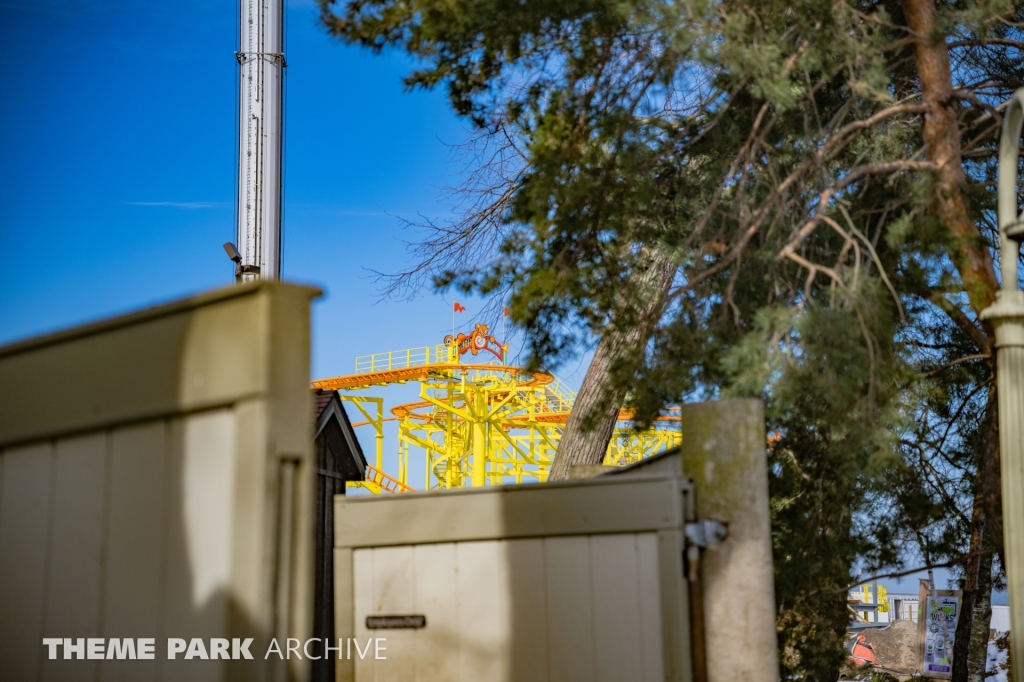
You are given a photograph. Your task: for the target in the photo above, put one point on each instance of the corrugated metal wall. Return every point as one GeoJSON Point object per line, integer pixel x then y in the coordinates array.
{"type": "Point", "coordinates": [167, 515]}
{"type": "Point", "coordinates": [565, 609]}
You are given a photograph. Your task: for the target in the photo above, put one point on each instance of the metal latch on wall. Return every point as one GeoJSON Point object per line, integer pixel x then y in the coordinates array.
{"type": "Point", "coordinates": [705, 533]}
{"type": "Point", "coordinates": [699, 536]}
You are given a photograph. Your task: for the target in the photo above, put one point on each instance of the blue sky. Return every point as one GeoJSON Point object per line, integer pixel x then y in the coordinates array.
{"type": "Point", "coordinates": [118, 174]}
{"type": "Point", "coordinates": [117, 140]}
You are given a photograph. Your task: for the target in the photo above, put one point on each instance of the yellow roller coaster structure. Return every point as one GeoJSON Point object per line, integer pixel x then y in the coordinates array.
{"type": "Point", "coordinates": [477, 422]}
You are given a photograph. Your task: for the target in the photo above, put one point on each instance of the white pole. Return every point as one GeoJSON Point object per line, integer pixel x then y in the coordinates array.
{"type": "Point", "coordinates": [261, 61]}
{"type": "Point", "coordinates": [1007, 317]}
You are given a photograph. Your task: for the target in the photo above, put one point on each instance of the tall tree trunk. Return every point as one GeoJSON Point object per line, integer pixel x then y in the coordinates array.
{"type": "Point", "coordinates": [977, 272]}
{"type": "Point", "coordinates": [942, 146]}
{"type": "Point", "coordinates": [596, 409]}
{"type": "Point", "coordinates": [970, 652]}
{"type": "Point", "coordinates": [966, 248]}
{"type": "Point", "coordinates": [977, 655]}
{"type": "Point", "coordinates": [990, 480]}
{"type": "Point", "coordinates": [972, 583]}
{"type": "Point", "coordinates": [987, 498]}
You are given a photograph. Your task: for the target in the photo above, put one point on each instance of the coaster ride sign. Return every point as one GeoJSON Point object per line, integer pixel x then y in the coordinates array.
{"type": "Point", "coordinates": [937, 630]}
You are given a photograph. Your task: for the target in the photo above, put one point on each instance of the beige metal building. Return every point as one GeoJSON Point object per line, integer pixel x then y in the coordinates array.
{"type": "Point", "coordinates": [612, 579]}
{"type": "Point", "coordinates": [155, 481]}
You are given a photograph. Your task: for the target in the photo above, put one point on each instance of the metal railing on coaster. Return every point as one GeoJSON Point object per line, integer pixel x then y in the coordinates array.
{"type": "Point", "coordinates": [401, 359]}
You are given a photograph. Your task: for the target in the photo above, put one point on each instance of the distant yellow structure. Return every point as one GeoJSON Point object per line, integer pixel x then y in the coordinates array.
{"type": "Point", "coordinates": [478, 421]}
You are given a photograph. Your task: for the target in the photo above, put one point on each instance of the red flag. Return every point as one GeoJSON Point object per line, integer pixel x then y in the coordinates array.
{"type": "Point", "coordinates": [506, 312]}
{"type": "Point", "coordinates": [459, 308]}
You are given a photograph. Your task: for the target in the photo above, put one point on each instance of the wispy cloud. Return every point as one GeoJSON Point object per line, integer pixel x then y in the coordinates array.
{"type": "Point", "coordinates": [180, 204]}
{"type": "Point", "coordinates": [334, 209]}
{"type": "Point", "coordinates": [364, 214]}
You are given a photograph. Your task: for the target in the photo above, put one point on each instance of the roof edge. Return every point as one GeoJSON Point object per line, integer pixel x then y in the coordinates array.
{"type": "Point", "coordinates": [145, 314]}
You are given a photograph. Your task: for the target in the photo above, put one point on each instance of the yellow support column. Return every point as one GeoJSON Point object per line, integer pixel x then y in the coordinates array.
{"type": "Point", "coordinates": [479, 439]}
{"type": "Point", "coordinates": [449, 438]}
{"type": "Point", "coordinates": [379, 425]}
{"type": "Point", "coordinates": [377, 422]}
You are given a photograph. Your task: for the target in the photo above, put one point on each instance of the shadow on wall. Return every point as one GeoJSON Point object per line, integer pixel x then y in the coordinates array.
{"type": "Point", "coordinates": [156, 482]}
{"type": "Point", "coordinates": [560, 608]}
{"type": "Point", "coordinates": [123, 533]}
{"type": "Point", "coordinates": [578, 581]}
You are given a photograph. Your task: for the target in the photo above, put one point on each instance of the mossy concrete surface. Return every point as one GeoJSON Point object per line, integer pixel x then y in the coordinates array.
{"type": "Point", "coordinates": [725, 454]}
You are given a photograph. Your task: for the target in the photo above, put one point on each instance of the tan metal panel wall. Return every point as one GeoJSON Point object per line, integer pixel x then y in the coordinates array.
{"type": "Point", "coordinates": [519, 583]}
{"type": "Point", "coordinates": [526, 567]}
{"type": "Point", "coordinates": [76, 550]}
{"type": "Point", "coordinates": [24, 525]}
{"type": "Point", "coordinates": [484, 599]}
{"type": "Point", "coordinates": [627, 615]}
{"type": "Point", "coordinates": [134, 533]}
{"type": "Point", "coordinates": [113, 508]}
{"type": "Point", "coordinates": [154, 509]}
{"type": "Point", "coordinates": [560, 609]}
{"type": "Point", "coordinates": [567, 582]}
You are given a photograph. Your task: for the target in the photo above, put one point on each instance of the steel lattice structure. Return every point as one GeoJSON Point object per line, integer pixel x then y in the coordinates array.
{"type": "Point", "coordinates": [477, 423]}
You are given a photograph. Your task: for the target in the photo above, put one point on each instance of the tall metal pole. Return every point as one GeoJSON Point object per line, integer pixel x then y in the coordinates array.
{"type": "Point", "coordinates": [262, 63]}
{"type": "Point", "coordinates": [1007, 317]}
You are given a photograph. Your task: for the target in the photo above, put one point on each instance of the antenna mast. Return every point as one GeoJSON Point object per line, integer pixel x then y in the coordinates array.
{"type": "Point", "coordinates": [261, 62]}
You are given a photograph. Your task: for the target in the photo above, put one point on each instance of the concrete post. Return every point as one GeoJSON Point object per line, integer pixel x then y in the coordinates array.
{"type": "Point", "coordinates": [724, 453]}
{"type": "Point", "coordinates": [1007, 317]}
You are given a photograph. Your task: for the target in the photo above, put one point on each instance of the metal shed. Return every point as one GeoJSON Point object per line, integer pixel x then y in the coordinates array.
{"type": "Point", "coordinates": [156, 481]}
{"type": "Point", "coordinates": [617, 578]}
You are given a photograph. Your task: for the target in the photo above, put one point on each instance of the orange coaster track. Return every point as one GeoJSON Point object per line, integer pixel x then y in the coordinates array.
{"type": "Point", "coordinates": [420, 373]}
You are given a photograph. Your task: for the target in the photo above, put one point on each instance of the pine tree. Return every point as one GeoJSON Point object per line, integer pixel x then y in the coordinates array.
{"type": "Point", "coordinates": [817, 179]}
